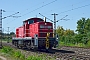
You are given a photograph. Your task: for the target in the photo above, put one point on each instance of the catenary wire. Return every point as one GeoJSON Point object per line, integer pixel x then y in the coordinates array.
{"type": "Point", "coordinates": [37, 8]}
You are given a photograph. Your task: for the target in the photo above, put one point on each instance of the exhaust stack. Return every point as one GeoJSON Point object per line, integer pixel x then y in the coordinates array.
{"type": "Point", "coordinates": [44, 19]}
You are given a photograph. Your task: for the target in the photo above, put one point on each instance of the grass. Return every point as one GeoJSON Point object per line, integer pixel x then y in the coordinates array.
{"type": "Point", "coordinates": [75, 45]}
{"type": "Point", "coordinates": [13, 54]}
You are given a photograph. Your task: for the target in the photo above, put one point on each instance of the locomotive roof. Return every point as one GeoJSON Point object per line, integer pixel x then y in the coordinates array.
{"type": "Point", "coordinates": [33, 19]}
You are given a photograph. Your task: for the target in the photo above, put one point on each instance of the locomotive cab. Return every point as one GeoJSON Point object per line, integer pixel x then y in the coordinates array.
{"type": "Point", "coordinates": [33, 20]}
{"type": "Point", "coordinates": [29, 26]}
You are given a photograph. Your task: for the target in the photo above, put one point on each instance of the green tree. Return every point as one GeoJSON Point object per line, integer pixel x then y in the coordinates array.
{"type": "Point", "coordinates": [12, 33]}
{"type": "Point", "coordinates": [81, 26]}
{"type": "Point", "coordinates": [69, 32]}
{"type": "Point", "coordinates": [65, 35]}
{"type": "Point", "coordinates": [80, 38]}
{"type": "Point", "coordinates": [60, 30]}
{"type": "Point", "coordinates": [87, 25]}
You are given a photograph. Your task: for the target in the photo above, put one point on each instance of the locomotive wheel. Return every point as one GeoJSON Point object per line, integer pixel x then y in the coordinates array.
{"type": "Point", "coordinates": [24, 46]}
{"type": "Point", "coordinates": [20, 47]}
{"type": "Point", "coordinates": [16, 44]}
{"type": "Point", "coordinates": [32, 45]}
{"type": "Point", "coordinates": [28, 45]}
{"type": "Point", "coordinates": [34, 48]}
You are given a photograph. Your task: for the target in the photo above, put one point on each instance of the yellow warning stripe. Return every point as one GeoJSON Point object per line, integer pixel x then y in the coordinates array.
{"type": "Point", "coordinates": [47, 40]}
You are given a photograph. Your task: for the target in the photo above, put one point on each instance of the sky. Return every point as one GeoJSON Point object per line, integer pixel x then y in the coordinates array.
{"type": "Point", "coordinates": [75, 9]}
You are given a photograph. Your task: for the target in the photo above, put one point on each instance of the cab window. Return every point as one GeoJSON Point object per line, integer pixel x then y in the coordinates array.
{"type": "Point", "coordinates": [39, 20]}
{"type": "Point", "coordinates": [30, 21]}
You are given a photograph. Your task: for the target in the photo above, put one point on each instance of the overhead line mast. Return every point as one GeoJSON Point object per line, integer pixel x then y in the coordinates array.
{"type": "Point", "coordinates": [1, 28]}
{"type": "Point", "coordinates": [8, 35]}
{"type": "Point", "coordinates": [1, 24]}
{"type": "Point", "coordinates": [54, 24]}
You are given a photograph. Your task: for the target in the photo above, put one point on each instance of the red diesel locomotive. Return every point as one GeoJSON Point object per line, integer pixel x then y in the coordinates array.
{"type": "Point", "coordinates": [35, 33]}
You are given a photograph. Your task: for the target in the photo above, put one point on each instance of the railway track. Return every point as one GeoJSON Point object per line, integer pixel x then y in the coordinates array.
{"type": "Point", "coordinates": [64, 53]}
